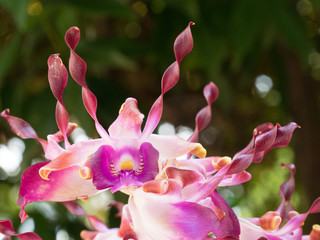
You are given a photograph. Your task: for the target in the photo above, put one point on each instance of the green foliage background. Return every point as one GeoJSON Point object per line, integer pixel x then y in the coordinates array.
{"type": "Point", "coordinates": [128, 45]}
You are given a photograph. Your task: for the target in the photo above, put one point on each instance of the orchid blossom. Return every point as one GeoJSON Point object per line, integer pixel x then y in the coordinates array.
{"type": "Point", "coordinates": [170, 198]}
{"type": "Point", "coordinates": [122, 158]}
{"type": "Point", "coordinates": [184, 205]}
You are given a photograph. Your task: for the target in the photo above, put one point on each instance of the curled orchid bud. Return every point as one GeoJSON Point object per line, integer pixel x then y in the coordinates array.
{"type": "Point", "coordinates": [219, 163]}
{"type": "Point", "coordinates": [270, 221]}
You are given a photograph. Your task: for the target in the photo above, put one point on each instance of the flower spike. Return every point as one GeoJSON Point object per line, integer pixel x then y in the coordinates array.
{"type": "Point", "coordinates": [78, 68]}
{"type": "Point", "coordinates": [182, 46]}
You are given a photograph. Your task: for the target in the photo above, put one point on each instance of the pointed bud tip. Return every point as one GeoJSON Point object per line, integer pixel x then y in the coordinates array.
{"type": "Point", "coordinates": [5, 112]}
{"type": "Point", "coordinates": [54, 57]}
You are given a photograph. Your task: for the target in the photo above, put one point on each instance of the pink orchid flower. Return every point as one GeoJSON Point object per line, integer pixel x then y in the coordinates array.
{"type": "Point", "coordinates": [123, 157]}
{"type": "Point", "coordinates": [183, 205]}
{"type": "Point", "coordinates": [271, 225]}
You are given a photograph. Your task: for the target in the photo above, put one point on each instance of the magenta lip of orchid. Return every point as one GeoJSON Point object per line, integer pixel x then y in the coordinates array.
{"type": "Point", "coordinates": [169, 198]}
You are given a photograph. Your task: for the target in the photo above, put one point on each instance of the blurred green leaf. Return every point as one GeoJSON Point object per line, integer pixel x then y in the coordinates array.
{"type": "Point", "coordinates": [112, 8]}
{"type": "Point", "coordinates": [19, 11]}
{"type": "Point", "coordinates": [8, 55]}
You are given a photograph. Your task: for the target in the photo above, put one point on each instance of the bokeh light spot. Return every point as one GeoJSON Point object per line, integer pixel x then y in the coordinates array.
{"type": "Point", "coordinates": [263, 84]}
{"type": "Point", "coordinates": [11, 156]}
{"type": "Point", "coordinates": [35, 8]}
{"type": "Point", "coordinates": [157, 6]}
{"type": "Point", "coordinates": [140, 8]}
{"type": "Point", "coordinates": [27, 226]}
{"type": "Point", "coordinates": [133, 30]}
{"type": "Point", "coordinates": [304, 7]}
{"type": "Point", "coordinates": [166, 129]}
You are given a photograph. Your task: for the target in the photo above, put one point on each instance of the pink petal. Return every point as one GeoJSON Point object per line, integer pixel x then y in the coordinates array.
{"type": "Point", "coordinates": [76, 155]}
{"type": "Point", "coordinates": [22, 128]}
{"type": "Point", "coordinates": [64, 185]}
{"type": "Point", "coordinates": [182, 46]}
{"type": "Point", "coordinates": [185, 177]}
{"type": "Point", "coordinates": [6, 228]}
{"type": "Point", "coordinates": [229, 225]}
{"type": "Point", "coordinates": [128, 123]}
{"type": "Point", "coordinates": [203, 117]}
{"type": "Point", "coordinates": [205, 188]}
{"type": "Point", "coordinates": [157, 216]}
{"type": "Point", "coordinates": [265, 137]}
{"type": "Point", "coordinates": [78, 68]}
{"type": "Point", "coordinates": [170, 147]}
{"type": "Point", "coordinates": [236, 179]}
{"type": "Point", "coordinates": [106, 174]}
{"type": "Point", "coordinates": [286, 191]}
{"type": "Point", "coordinates": [58, 78]}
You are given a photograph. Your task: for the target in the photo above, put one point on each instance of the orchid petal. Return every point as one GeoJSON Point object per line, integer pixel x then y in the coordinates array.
{"type": "Point", "coordinates": [171, 147]}
{"type": "Point", "coordinates": [265, 137]}
{"type": "Point", "coordinates": [286, 191]}
{"type": "Point", "coordinates": [6, 228]}
{"type": "Point", "coordinates": [204, 189]}
{"type": "Point", "coordinates": [22, 128]}
{"type": "Point", "coordinates": [34, 188]}
{"type": "Point", "coordinates": [229, 225]}
{"type": "Point", "coordinates": [76, 155]}
{"type": "Point", "coordinates": [235, 179]}
{"type": "Point", "coordinates": [203, 117]}
{"type": "Point", "coordinates": [78, 68]}
{"type": "Point", "coordinates": [157, 216]}
{"type": "Point", "coordinates": [105, 173]}
{"type": "Point", "coordinates": [102, 167]}
{"type": "Point", "coordinates": [53, 149]}
{"type": "Point", "coordinates": [182, 46]}
{"type": "Point", "coordinates": [126, 226]}
{"type": "Point", "coordinates": [150, 168]}
{"type": "Point", "coordinates": [111, 234]}
{"type": "Point", "coordinates": [58, 78]}
{"type": "Point", "coordinates": [128, 122]}
{"type": "Point", "coordinates": [185, 177]}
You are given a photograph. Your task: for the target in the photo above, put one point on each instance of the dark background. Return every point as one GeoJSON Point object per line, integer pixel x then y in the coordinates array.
{"type": "Point", "coordinates": [129, 44]}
